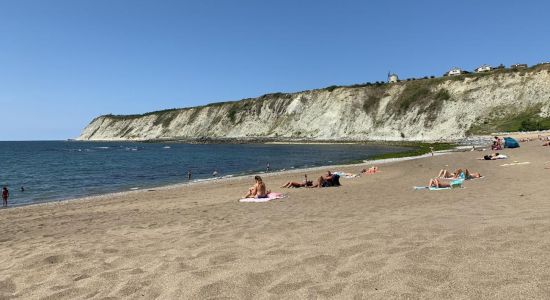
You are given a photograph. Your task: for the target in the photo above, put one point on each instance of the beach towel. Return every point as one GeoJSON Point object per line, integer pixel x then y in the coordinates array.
{"type": "Point", "coordinates": [346, 175]}
{"type": "Point", "coordinates": [515, 164]}
{"type": "Point", "coordinates": [500, 156]}
{"type": "Point", "coordinates": [433, 188]}
{"type": "Point", "coordinates": [457, 183]}
{"type": "Point", "coordinates": [270, 196]}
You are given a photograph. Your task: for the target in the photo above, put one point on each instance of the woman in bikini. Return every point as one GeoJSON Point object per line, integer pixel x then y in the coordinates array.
{"type": "Point", "coordinates": [457, 174]}
{"type": "Point", "coordinates": [370, 170]}
{"type": "Point", "coordinates": [437, 183]}
{"type": "Point", "coordinates": [258, 190]}
{"type": "Point", "coordinates": [448, 175]}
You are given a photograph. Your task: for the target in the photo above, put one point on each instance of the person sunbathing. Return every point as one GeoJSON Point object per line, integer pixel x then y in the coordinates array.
{"type": "Point", "coordinates": [294, 184]}
{"type": "Point", "coordinates": [437, 183]}
{"type": "Point", "coordinates": [448, 175]}
{"type": "Point", "coordinates": [546, 144]}
{"type": "Point", "coordinates": [258, 190]}
{"type": "Point", "coordinates": [494, 156]}
{"type": "Point", "coordinates": [471, 175]}
{"type": "Point", "coordinates": [328, 180]}
{"type": "Point", "coordinates": [370, 170]}
{"type": "Point", "coordinates": [458, 173]}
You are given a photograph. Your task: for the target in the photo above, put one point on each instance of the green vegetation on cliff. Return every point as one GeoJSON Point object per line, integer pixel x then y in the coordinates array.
{"type": "Point", "coordinates": [510, 121]}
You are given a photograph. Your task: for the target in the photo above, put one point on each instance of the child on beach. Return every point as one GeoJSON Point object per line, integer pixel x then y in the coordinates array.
{"type": "Point", "coordinates": [258, 190]}
{"type": "Point", "coordinates": [5, 196]}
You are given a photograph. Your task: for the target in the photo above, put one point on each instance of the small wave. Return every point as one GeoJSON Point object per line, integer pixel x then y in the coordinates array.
{"type": "Point", "coordinates": [166, 147]}
{"type": "Point", "coordinates": [102, 147]}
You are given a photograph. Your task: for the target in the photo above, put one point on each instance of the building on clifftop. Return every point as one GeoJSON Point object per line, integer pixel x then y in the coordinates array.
{"type": "Point", "coordinates": [483, 68]}
{"type": "Point", "coordinates": [392, 78]}
{"type": "Point", "coordinates": [518, 66]}
{"type": "Point", "coordinates": [455, 71]}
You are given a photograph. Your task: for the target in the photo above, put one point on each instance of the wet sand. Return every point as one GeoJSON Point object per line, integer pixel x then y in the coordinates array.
{"type": "Point", "coordinates": [373, 238]}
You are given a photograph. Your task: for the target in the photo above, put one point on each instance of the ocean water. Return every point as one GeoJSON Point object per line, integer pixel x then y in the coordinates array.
{"type": "Point", "coordinates": [57, 170]}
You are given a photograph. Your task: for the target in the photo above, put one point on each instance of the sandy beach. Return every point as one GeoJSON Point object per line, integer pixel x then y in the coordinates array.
{"type": "Point", "coordinates": [372, 238]}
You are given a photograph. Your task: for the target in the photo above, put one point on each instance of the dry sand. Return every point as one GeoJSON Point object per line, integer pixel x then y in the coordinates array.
{"type": "Point", "coordinates": [373, 238]}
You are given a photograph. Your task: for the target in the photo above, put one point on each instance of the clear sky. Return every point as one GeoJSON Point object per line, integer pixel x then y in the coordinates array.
{"type": "Point", "coordinates": [64, 62]}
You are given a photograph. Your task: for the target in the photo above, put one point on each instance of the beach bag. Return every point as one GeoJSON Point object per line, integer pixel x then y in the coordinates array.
{"type": "Point", "coordinates": [336, 180]}
{"type": "Point", "coordinates": [510, 143]}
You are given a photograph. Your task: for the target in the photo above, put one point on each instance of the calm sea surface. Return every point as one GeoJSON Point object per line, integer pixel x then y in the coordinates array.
{"type": "Point", "coordinates": [57, 170]}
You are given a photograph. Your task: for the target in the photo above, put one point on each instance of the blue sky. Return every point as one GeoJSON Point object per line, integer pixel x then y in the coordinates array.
{"type": "Point", "coordinates": [62, 63]}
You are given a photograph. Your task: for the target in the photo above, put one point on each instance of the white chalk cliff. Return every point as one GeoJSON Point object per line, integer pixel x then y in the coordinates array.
{"type": "Point", "coordinates": [448, 108]}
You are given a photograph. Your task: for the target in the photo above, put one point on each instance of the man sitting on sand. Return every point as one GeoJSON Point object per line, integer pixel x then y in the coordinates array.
{"type": "Point", "coordinates": [328, 180]}
{"type": "Point", "coordinates": [258, 190]}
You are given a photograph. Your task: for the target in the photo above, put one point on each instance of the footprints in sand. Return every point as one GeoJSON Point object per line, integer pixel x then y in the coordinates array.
{"type": "Point", "coordinates": [7, 287]}
{"type": "Point", "coordinates": [285, 287]}
{"type": "Point", "coordinates": [81, 277]}
{"type": "Point", "coordinates": [53, 259]}
{"type": "Point", "coordinates": [222, 259]}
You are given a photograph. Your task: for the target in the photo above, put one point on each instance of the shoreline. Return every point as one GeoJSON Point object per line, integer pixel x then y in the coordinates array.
{"type": "Point", "coordinates": [225, 179]}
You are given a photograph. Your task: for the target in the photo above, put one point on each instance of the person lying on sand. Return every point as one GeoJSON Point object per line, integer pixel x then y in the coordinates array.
{"type": "Point", "coordinates": [370, 170]}
{"type": "Point", "coordinates": [327, 180]}
{"type": "Point", "coordinates": [437, 183]}
{"type": "Point", "coordinates": [448, 175]}
{"type": "Point", "coordinates": [258, 190]}
{"type": "Point", "coordinates": [494, 156]}
{"type": "Point", "coordinates": [458, 174]}
{"type": "Point", "coordinates": [471, 175]}
{"type": "Point", "coordinates": [293, 184]}
{"type": "Point", "coordinates": [546, 144]}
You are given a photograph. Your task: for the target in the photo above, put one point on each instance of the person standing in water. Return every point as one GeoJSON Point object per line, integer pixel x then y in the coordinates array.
{"type": "Point", "coordinates": [189, 175]}
{"type": "Point", "coordinates": [5, 196]}
{"type": "Point", "coordinates": [267, 167]}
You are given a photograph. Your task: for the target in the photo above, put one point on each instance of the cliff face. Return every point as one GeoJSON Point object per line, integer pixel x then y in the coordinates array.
{"type": "Point", "coordinates": [448, 108]}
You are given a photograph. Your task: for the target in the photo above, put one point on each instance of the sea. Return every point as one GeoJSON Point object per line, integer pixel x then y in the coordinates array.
{"type": "Point", "coordinates": [46, 171]}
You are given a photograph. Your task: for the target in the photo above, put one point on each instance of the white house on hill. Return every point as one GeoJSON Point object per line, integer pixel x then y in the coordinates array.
{"type": "Point", "coordinates": [455, 71]}
{"type": "Point", "coordinates": [483, 68]}
{"type": "Point", "coordinates": [392, 78]}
